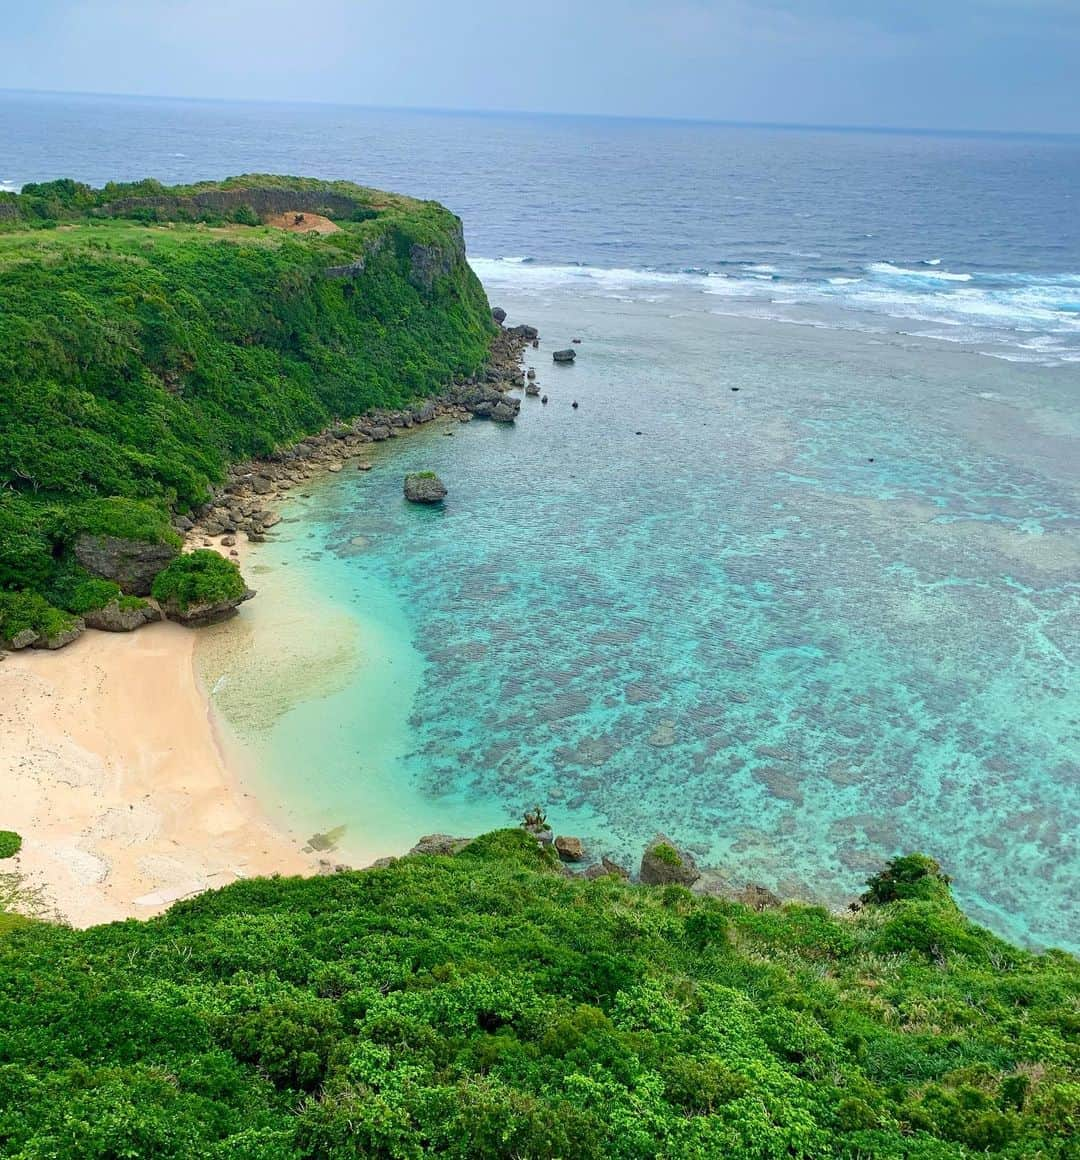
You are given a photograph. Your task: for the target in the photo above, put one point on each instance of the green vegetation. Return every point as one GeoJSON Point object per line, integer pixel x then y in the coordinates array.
{"type": "Point", "coordinates": [201, 577]}
{"type": "Point", "coordinates": [484, 1005]}
{"type": "Point", "coordinates": [151, 335]}
{"type": "Point", "coordinates": [667, 854]}
{"type": "Point", "coordinates": [10, 843]}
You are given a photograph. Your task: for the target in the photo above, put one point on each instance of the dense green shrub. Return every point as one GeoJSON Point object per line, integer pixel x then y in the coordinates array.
{"type": "Point", "coordinates": [912, 876]}
{"type": "Point", "coordinates": [200, 577]}
{"type": "Point", "coordinates": [485, 1005]}
{"type": "Point", "coordinates": [20, 611]}
{"type": "Point", "coordinates": [10, 843]}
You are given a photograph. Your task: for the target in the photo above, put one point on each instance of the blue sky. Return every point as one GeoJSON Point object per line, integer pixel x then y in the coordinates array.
{"type": "Point", "coordinates": [978, 64]}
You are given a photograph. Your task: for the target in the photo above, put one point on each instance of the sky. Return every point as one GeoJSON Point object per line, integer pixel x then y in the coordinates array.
{"type": "Point", "coordinates": [1008, 65]}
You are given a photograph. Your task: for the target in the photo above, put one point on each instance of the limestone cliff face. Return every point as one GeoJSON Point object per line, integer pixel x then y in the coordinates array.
{"type": "Point", "coordinates": [428, 262]}
{"type": "Point", "coordinates": [225, 201]}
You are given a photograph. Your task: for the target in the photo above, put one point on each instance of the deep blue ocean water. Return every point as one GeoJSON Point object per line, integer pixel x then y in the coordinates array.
{"type": "Point", "coordinates": [801, 626]}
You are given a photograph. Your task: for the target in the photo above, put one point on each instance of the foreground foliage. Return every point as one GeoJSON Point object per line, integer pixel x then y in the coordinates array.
{"type": "Point", "coordinates": [485, 1006]}
{"type": "Point", "coordinates": [146, 342]}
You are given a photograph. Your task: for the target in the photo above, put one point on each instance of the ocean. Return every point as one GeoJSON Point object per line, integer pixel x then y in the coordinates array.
{"type": "Point", "coordinates": [797, 583]}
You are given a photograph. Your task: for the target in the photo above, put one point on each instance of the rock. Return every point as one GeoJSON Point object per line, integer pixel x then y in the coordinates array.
{"type": "Point", "coordinates": [228, 541]}
{"type": "Point", "coordinates": [569, 849]}
{"type": "Point", "coordinates": [334, 467]}
{"type": "Point", "coordinates": [498, 314]}
{"type": "Point", "coordinates": [757, 897]}
{"type": "Point", "coordinates": [364, 466]}
{"type": "Point", "coordinates": [611, 867]}
{"type": "Point", "coordinates": [133, 564]}
{"type": "Point", "coordinates": [576, 340]}
{"type": "Point", "coordinates": [182, 524]}
{"type": "Point", "coordinates": [543, 399]}
{"type": "Point", "coordinates": [61, 638]}
{"type": "Point", "coordinates": [199, 615]}
{"type": "Point", "coordinates": [440, 844]}
{"type": "Point", "coordinates": [23, 639]}
{"type": "Point", "coordinates": [532, 390]}
{"type": "Point", "coordinates": [564, 356]}
{"type": "Point", "coordinates": [424, 487]}
{"type": "Point", "coordinates": [574, 404]}
{"type": "Point", "coordinates": [262, 484]}
{"type": "Point", "coordinates": [115, 618]}
{"type": "Point", "coordinates": [506, 410]}
{"type": "Point", "coordinates": [531, 373]}
{"type": "Point", "coordinates": [664, 864]}
{"type": "Point", "coordinates": [528, 333]}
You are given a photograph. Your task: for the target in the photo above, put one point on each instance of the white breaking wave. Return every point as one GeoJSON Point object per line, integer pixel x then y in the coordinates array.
{"type": "Point", "coordinates": [1036, 316]}
{"type": "Point", "coordinates": [903, 272]}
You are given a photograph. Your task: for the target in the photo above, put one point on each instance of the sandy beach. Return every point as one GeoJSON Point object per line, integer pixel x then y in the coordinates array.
{"type": "Point", "coordinates": [112, 774]}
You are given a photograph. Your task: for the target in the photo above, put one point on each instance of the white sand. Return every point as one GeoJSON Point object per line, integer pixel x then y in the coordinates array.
{"type": "Point", "coordinates": [111, 772]}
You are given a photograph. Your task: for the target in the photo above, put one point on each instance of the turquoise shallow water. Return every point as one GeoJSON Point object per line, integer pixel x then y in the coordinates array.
{"type": "Point", "coordinates": [800, 627]}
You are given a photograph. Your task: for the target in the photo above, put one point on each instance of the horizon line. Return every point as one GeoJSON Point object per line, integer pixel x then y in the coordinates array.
{"type": "Point", "coordinates": [821, 127]}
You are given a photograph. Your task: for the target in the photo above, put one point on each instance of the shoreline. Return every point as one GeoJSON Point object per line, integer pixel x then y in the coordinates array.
{"type": "Point", "coordinates": [124, 782]}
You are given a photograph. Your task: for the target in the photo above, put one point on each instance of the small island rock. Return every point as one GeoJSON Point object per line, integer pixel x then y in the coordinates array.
{"type": "Point", "coordinates": [424, 487]}
{"type": "Point", "coordinates": [564, 356]}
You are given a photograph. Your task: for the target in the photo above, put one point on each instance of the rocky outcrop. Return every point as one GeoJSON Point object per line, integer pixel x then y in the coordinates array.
{"type": "Point", "coordinates": [22, 639]}
{"type": "Point", "coordinates": [757, 897]}
{"type": "Point", "coordinates": [564, 356]}
{"type": "Point", "coordinates": [524, 332]}
{"type": "Point", "coordinates": [569, 849]}
{"type": "Point", "coordinates": [61, 637]}
{"type": "Point", "coordinates": [117, 617]}
{"type": "Point", "coordinates": [424, 487]}
{"type": "Point", "coordinates": [498, 314]}
{"type": "Point", "coordinates": [200, 615]}
{"type": "Point", "coordinates": [132, 564]}
{"type": "Point", "coordinates": [505, 410]}
{"type": "Point", "coordinates": [440, 844]}
{"type": "Point", "coordinates": [664, 864]}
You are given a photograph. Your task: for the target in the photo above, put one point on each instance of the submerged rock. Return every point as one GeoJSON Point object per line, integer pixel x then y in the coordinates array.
{"type": "Point", "coordinates": [564, 356]}
{"type": "Point", "coordinates": [664, 864]}
{"type": "Point", "coordinates": [424, 487]}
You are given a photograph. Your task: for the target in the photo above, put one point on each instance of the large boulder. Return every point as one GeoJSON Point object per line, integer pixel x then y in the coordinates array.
{"type": "Point", "coordinates": [440, 844]}
{"type": "Point", "coordinates": [564, 356]}
{"type": "Point", "coordinates": [121, 617]}
{"type": "Point", "coordinates": [664, 864]}
{"type": "Point", "coordinates": [22, 639]}
{"type": "Point", "coordinates": [498, 314]}
{"type": "Point", "coordinates": [528, 333]}
{"type": "Point", "coordinates": [424, 487]}
{"type": "Point", "coordinates": [569, 849]}
{"type": "Point", "coordinates": [197, 615]}
{"type": "Point", "coordinates": [133, 564]}
{"type": "Point", "coordinates": [505, 410]}
{"type": "Point", "coordinates": [62, 636]}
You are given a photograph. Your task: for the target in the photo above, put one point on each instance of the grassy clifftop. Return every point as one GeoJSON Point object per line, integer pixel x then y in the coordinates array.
{"type": "Point", "coordinates": [484, 1005]}
{"type": "Point", "coordinates": [151, 335]}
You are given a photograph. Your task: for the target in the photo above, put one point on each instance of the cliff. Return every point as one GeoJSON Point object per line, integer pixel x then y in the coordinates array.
{"type": "Point", "coordinates": [151, 336]}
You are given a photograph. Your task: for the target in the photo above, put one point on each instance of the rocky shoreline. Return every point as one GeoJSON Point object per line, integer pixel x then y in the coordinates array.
{"type": "Point", "coordinates": [245, 502]}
